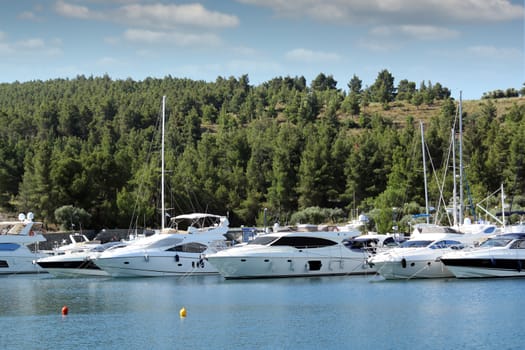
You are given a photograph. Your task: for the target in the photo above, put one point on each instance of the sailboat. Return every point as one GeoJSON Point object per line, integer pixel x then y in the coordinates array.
{"type": "Point", "coordinates": [175, 249]}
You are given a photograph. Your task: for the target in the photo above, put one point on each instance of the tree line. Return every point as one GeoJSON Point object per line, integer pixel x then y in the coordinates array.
{"type": "Point", "coordinates": [278, 148]}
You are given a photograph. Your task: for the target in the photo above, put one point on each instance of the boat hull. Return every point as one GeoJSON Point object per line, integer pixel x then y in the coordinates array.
{"type": "Point", "coordinates": [412, 269]}
{"type": "Point", "coordinates": [486, 267]}
{"type": "Point", "coordinates": [237, 267]}
{"type": "Point", "coordinates": [147, 265]}
{"type": "Point", "coordinates": [71, 268]}
{"type": "Point", "coordinates": [19, 264]}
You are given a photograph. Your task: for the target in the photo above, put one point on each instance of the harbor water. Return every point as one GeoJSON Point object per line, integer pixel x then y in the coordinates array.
{"type": "Point", "coordinates": [298, 313]}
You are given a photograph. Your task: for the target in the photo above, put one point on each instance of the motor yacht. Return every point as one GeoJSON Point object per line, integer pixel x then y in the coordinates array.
{"type": "Point", "coordinates": [298, 254]}
{"type": "Point", "coordinates": [16, 237]}
{"type": "Point", "coordinates": [177, 250]}
{"type": "Point", "coordinates": [499, 256]}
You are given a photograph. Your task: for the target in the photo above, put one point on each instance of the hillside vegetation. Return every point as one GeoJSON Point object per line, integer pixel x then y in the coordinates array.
{"type": "Point", "coordinates": [92, 144]}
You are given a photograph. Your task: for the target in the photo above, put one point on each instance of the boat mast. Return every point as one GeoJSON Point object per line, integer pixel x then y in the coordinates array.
{"type": "Point", "coordinates": [502, 207]}
{"type": "Point", "coordinates": [424, 171]}
{"type": "Point", "coordinates": [454, 192]}
{"type": "Point", "coordinates": [163, 214]}
{"type": "Point", "coordinates": [460, 159]}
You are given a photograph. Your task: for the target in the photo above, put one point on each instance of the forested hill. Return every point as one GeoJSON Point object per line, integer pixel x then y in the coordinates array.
{"type": "Point", "coordinates": [234, 148]}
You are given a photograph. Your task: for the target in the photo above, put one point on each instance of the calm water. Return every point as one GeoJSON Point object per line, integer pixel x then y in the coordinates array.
{"type": "Point", "coordinates": [303, 313]}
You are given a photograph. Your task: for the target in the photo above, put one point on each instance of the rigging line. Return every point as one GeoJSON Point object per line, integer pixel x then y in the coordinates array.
{"type": "Point", "coordinates": [434, 172]}
{"type": "Point", "coordinates": [406, 194]}
{"type": "Point", "coordinates": [418, 271]}
{"type": "Point", "coordinates": [514, 187]}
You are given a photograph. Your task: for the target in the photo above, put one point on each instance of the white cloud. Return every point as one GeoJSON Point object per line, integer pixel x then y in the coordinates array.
{"type": "Point", "coordinates": [493, 52]}
{"type": "Point", "coordinates": [245, 51]}
{"type": "Point", "coordinates": [31, 44]}
{"type": "Point", "coordinates": [380, 45]}
{"type": "Point", "coordinates": [396, 11]}
{"type": "Point", "coordinates": [75, 11]}
{"type": "Point", "coordinates": [29, 47]}
{"type": "Point", "coordinates": [176, 38]}
{"type": "Point", "coordinates": [107, 61]}
{"type": "Point", "coordinates": [5, 49]}
{"type": "Point", "coordinates": [168, 16]}
{"type": "Point", "coordinates": [309, 56]}
{"type": "Point", "coordinates": [28, 15]}
{"type": "Point", "coordinates": [420, 32]}
{"type": "Point", "coordinates": [153, 15]}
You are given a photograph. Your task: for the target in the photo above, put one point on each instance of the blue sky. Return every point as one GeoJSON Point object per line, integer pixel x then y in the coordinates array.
{"type": "Point", "coordinates": [471, 45]}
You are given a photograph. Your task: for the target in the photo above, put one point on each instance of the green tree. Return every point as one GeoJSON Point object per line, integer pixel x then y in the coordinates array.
{"type": "Point", "coordinates": [383, 89]}
{"type": "Point", "coordinates": [71, 218]}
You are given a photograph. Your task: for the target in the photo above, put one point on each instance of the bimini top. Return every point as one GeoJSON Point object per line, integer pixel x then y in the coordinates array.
{"type": "Point", "coordinates": [194, 216]}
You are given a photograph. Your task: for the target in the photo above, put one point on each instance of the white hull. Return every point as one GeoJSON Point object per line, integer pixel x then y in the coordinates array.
{"type": "Point", "coordinates": [502, 256]}
{"type": "Point", "coordinates": [69, 272]}
{"type": "Point", "coordinates": [156, 265]}
{"type": "Point", "coordinates": [418, 258]}
{"type": "Point", "coordinates": [15, 236]}
{"type": "Point", "coordinates": [391, 270]}
{"type": "Point", "coordinates": [290, 266]}
{"type": "Point", "coordinates": [20, 264]}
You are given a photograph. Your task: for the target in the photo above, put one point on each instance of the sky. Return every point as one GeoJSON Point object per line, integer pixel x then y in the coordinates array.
{"type": "Point", "coordinates": [473, 46]}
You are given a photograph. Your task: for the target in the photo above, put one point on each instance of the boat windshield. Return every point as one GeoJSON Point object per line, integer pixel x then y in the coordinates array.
{"type": "Point", "coordinates": [263, 240]}
{"type": "Point", "coordinates": [446, 244]}
{"type": "Point", "coordinates": [496, 242]}
{"type": "Point", "coordinates": [415, 244]}
{"type": "Point", "coordinates": [361, 244]}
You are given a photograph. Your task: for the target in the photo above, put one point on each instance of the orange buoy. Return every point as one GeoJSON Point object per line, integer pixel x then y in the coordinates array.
{"type": "Point", "coordinates": [65, 310]}
{"type": "Point", "coordinates": [182, 312]}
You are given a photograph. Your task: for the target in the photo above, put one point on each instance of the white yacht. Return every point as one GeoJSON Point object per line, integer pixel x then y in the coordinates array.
{"type": "Point", "coordinates": [15, 237]}
{"type": "Point", "coordinates": [499, 256]}
{"type": "Point", "coordinates": [419, 257]}
{"type": "Point", "coordinates": [170, 252]}
{"type": "Point", "coordinates": [298, 254]}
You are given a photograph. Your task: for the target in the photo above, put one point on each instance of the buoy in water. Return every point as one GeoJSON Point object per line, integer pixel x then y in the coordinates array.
{"type": "Point", "coordinates": [65, 310]}
{"type": "Point", "coordinates": [182, 312]}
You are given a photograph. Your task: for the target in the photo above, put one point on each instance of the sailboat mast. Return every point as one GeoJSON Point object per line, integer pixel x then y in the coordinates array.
{"type": "Point", "coordinates": [503, 207]}
{"type": "Point", "coordinates": [460, 159]}
{"type": "Point", "coordinates": [424, 171]}
{"type": "Point", "coordinates": [163, 209]}
{"type": "Point", "coordinates": [454, 192]}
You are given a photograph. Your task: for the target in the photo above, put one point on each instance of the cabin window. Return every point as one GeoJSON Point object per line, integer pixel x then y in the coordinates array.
{"type": "Point", "coordinates": [262, 240]}
{"type": "Point", "coordinates": [519, 244]}
{"type": "Point", "coordinates": [3, 264]}
{"type": "Point", "coordinates": [445, 244]}
{"type": "Point", "coordinates": [9, 247]}
{"type": "Point", "coordinates": [192, 247]}
{"type": "Point", "coordinates": [314, 265]}
{"type": "Point", "coordinates": [389, 242]}
{"type": "Point", "coordinates": [414, 244]}
{"type": "Point", "coordinates": [300, 242]}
